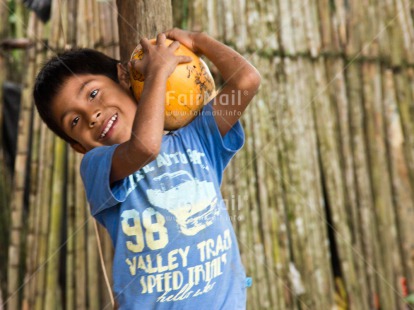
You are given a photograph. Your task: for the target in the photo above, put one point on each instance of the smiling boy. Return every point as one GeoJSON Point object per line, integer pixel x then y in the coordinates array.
{"type": "Point", "coordinates": [157, 194]}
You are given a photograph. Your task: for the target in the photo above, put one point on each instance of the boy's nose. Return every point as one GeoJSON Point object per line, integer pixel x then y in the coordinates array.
{"type": "Point", "coordinates": [94, 119]}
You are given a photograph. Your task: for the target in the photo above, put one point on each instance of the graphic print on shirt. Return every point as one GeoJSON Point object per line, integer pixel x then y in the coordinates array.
{"type": "Point", "coordinates": [176, 199]}
{"type": "Point", "coordinates": [192, 202]}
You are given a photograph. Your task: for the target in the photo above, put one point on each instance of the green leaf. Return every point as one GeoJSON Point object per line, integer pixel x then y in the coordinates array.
{"type": "Point", "coordinates": [410, 299]}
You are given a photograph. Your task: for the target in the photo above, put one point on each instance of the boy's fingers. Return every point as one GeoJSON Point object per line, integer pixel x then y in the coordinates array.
{"type": "Point", "coordinates": [183, 59]}
{"type": "Point", "coordinates": [161, 39]}
{"type": "Point", "coordinates": [174, 45]}
{"type": "Point", "coordinates": [144, 44]}
{"type": "Point", "coordinates": [169, 34]}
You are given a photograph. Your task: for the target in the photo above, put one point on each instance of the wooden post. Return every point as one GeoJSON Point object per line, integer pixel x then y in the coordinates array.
{"type": "Point", "coordinates": [138, 19]}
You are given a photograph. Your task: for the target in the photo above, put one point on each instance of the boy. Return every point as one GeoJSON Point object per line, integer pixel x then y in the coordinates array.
{"type": "Point", "coordinates": [158, 195]}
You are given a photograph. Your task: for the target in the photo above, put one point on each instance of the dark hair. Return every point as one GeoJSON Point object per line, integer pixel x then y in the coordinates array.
{"type": "Point", "coordinates": [58, 69]}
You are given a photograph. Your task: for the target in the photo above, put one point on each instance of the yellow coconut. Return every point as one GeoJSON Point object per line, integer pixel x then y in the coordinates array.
{"type": "Point", "coordinates": [189, 87]}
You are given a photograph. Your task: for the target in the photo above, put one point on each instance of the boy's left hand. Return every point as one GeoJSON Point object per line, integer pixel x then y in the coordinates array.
{"type": "Point", "coordinates": [239, 76]}
{"type": "Point", "coordinates": [187, 38]}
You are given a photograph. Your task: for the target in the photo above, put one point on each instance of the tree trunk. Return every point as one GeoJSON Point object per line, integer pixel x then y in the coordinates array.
{"type": "Point", "coordinates": [4, 173]}
{"type": "Point", "coordinates": [138, 19]}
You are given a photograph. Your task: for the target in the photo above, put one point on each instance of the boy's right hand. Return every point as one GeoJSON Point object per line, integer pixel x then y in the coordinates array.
{"type": "Point", "coordinates": [159, 58]}
{"type": "Point", "coordinates": [144, 144]}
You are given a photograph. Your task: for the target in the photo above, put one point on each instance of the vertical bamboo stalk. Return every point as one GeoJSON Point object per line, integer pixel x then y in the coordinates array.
{"type": "Point", "coordinates": [53, 290]}
{"type": "Point", "coordinates": [72, 7]}
{"type": "Point", "coordinates": [366, 214]}
{"type": "Point", "coordinates": [35, 189]}
{"type": "Point", "coordinates": [326, 27]}
{"type": "Point", "coordinates": [407, 28]}
{"type": "Point", "coordinates": [93, 264]}
{"type": "Point", "coordinates": [404, 101]}
{"type": "Point", "coordinates": [81, 29]}
{"type": "Point", "coordinates": [91, 27]}
{"type": "Point", "coordinates": [355, 24]}
{"type": "Point", "coordinates": [389, 271]}
{"type": "Point", "coordinates": [20, 174]}
{"type": "Point", "coordinates": [263, 226]}
{"type": "Point", "coordinates": [116, 53]}
{"type": "Point", "coordinates": [309, 186]}
{"type": "Point", "coordinates": [4, 171]}
{"type": "Point", "coordinates": [43, 203]}
{"type": "Point", "coordinates": [80, 242]}
{"type": "Point", "coordinates": [253, 255]}
{"type": "Point", "coordinates": [107, 250]}
{"type": "Point", "coordinates": [312, 29]}
{"type": "Point", "coordinates": [343, 111]}
{"type": "Point", "coordinates": [294, 293]}
{"type": "Point", "coordinates": [402, 194]}
{"type": "Point", "coordinates": [71, 230]}
{"type": "Point", "coordinates": [276, 101]}
{"type": "Point", "coordinates": [279, 255]}
{"type": "Point", "coordinates": [286, 29]}
{"type": "Point", "coordinates": [325, 120]}
{"type": "Point", "coordinates": [105, 23]}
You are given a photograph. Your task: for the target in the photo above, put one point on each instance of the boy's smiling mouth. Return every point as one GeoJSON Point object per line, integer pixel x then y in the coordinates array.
{"type": "Point", "coordinates": [108, 125]}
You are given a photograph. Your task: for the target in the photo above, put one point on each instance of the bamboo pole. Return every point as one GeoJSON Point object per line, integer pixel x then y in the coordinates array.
{"type": "Point", "coordinates": [35, 187]}
{"type": "Point", "coordinates": [44, 198]}
{"type": "Point", "coordinates": [53, 290]}
{"type": "Point", "coordinates": [363, 184]}
{"type": "Point", "coordinates": [313, 213]}
{"type": "Point", "coordinates": [342, 109]}
{"type": "Point", "coordinates": [282, 253]}
{"type": "Point", "coordinates": [107, 256]}
{"type": "Point", "coordinates": [80, 242]}
{"type": "Point", "coordinates": [116, 53]}
{"type": "Point", "coordinates": [402, 193]}
{"type": "Point", "coordinates": [17, 199]}
{"type": "Point", "coordinates": [262, 226]}
{"type": "Point", "coordinates": [34, 213]}
{"type": "Point", "coordinates": [93, 264]}
{"type": "Point", "coordinates": [43, 203]}
{"type": "Point", "coordinates": [72, 23]}
{"type": "Point", "coordinates": [71, 230]}
{"type": "Point", "coordinates": [384, 215]}
{"type": "Point", "coordinates": [253, 253]}
{"type": "Point", "coordinates": [71, 282]}
{"type": "Point", "coordinates": [265, 167]}
{"type": "Point", "coordinates": [327, 131]}
{"type": "Point", "coordinates": [4, 171]}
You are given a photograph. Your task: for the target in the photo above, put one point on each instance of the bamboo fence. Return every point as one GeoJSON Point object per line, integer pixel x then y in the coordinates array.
{"type": "Point", "coordinates": [322, 194]}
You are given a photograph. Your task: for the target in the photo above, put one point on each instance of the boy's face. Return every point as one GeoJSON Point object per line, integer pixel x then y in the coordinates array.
{"type": "Point", "coordinates": [94, 110]}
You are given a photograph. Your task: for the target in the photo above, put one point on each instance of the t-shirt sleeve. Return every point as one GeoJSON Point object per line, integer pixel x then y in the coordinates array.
{"type": "Point", "coordinates": [219, 150]}
{"type": "Point", "coordinates": [95, 173]}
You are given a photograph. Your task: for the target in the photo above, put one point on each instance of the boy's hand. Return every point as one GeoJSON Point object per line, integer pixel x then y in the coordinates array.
{"type": "Point", "coordinates": [240, 77]}
{"type": "Point", "coordinates": [158, 58]}
{"type": "Point", "coordinates": [187, 38]}
{"type": "Point", "coordinates": [158, 62]}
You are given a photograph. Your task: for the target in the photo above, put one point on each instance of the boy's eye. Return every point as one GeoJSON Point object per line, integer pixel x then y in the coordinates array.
{"type": "Point", "coordinates": [93, 94]}
{"type": "Point", "coordinates": [75, 121]}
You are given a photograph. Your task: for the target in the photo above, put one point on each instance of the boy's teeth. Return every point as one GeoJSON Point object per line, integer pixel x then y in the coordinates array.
{"type": "Point", "coordinates": [109, 125]}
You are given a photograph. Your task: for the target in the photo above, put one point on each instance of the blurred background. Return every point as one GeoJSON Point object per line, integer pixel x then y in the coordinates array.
{"type": "Point", "coordinates": [321, 196]}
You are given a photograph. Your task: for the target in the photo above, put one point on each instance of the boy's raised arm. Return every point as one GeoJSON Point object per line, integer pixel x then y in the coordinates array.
{"type": "Point", "coordinates": [157, 64]}
{"type": "Point", "coordinates": [242, 80]}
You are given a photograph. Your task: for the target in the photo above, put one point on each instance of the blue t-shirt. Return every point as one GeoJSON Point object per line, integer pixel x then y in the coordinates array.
{"type": "Point", "coordinates": [175, 247]}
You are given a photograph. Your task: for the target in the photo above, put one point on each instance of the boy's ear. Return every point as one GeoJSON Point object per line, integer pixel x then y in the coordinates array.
{"type": "Point", "coordinates": [123, 76]}
{"type": "Point", "coordinates": [78, 147]}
